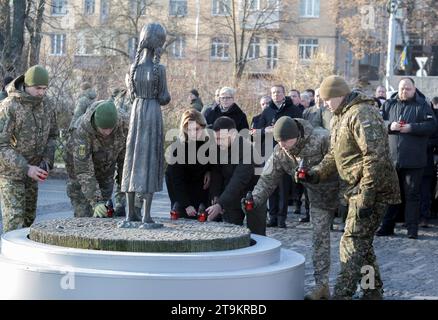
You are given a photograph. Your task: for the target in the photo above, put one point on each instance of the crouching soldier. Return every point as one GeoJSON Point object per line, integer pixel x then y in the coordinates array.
{"type": "Point", "coordinates": [95, 148]}
{"type": "Point", "coordinates": [299, 147]}
{"type": "Point", "coordinates": [28, 135]}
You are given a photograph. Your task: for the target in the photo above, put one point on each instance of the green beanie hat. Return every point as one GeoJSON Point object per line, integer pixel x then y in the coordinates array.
{"type": "Point", "coordinates": [105, 115]}
{"type": "Point", "coordinates": [285, 128]}
{"type": "Point", "coordinates": [36, 76]}
{"type": "Point", "coordinates": [333, 87]}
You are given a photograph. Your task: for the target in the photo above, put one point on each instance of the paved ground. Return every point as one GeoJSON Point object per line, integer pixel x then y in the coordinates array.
{"type": "Point", "coordinates": [409, 267]}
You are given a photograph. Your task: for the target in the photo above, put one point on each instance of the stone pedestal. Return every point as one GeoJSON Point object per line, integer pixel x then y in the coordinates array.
{"type": "Point", "coordinates": [260, 271]}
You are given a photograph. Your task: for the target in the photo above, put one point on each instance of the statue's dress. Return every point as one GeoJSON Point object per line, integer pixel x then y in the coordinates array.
{"type": "Point", "coordinates": [143, 168]}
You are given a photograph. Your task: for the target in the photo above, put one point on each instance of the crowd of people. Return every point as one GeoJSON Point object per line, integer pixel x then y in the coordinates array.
{"type": "Point", "coordinates": [369, 160]}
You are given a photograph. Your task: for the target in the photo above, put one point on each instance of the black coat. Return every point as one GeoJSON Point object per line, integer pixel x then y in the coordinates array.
{"type": "Point", "coordinates": [234, 112]}
{"type": "Point", "coordinates": [409, 150]}
{"type": "Point", "coordinates": [271, 114]}
{"type": "Point", "coordinates": [185, 181]}
{"type": "Point", "coordinates": [231, 181]}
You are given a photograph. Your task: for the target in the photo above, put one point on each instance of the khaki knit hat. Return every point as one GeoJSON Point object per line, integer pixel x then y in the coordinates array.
{"type": "Point", "coordinates": [333, 87]}
{"type": "Point", "coordinates": [36, 76]}
{"type": "Point", "coordinates": [285, 128]}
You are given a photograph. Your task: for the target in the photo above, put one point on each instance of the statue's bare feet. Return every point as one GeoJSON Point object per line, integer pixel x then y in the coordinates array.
{"type": "Point", "coordinates": [152, 225]}
{"type": "Point", "coordinates": [126, 224]}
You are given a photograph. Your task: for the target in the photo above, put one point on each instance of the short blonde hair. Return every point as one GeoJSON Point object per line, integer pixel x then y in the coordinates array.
{"type": "Point", "coordinates": [228, 90]}
{"type": "Point", "coordinates": [187, 116]}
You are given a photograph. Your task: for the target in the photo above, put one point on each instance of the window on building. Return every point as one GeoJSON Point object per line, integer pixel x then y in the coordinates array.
{"type": "Point", "coordinates": [138, 7]}
{"type": "Point", "coordinates": [57, 44]}
{"type": "Point", "coordinates": [272, 53]}
{"type": "Point", "coordinates": [178, 8]}
{"type": "Point", "coordinates": [220, 7]}
{"type": "Point", "coordinates": [220, 48]}
{"type": "Point", "coordinates": [177, 49]}
{"type": "Point", "coordinates": [254, 48]}
{"type": "Point", "coordinates": [104, 10]}
{"type": "Point", "coordinates": [89, 7]}
{"type": "Point", "coordinates": [309, 8]}
{"type": "Point", "coordinates": [307, 48]}
{"type": "Point", "coordinates": [132, 47]}
{"type": "Point", "coordinates": [59, 7]}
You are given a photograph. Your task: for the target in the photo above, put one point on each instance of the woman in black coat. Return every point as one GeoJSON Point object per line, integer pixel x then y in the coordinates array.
{"type": "Point", "coordinates": [187, 179]}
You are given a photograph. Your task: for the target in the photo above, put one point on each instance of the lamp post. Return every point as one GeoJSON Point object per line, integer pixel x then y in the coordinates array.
{"type": "Point", "coordinates": [392, 7]}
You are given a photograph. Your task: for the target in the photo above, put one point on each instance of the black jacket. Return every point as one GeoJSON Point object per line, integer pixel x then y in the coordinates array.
{"type": "Point", "coordinates": [271, 114]}
{"type": "Point", "coordinates": [234, 112]}
{"type": "Point", "coordinates": [231, 181]}
{"type": "Point", "coordinates": [409, 150]}
{"type": "Point", "coordinates": [185, 179]}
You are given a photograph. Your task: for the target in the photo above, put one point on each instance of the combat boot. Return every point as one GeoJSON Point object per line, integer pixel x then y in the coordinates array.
{"type": "Point", "coordinates": [376, 294]}
{"type": "Point", "coordinates": [319, 292]}
{"type": "Point", "coordinates": [272, 223]}
{"type": "Point", "coordinates": [282, 222]}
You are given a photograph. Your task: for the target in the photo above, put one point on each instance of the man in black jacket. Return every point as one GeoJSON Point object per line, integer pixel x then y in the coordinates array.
{"type": "Point", "coordinates": [280, 106]}
{"type": "Point", "coordinates": [233, 177]}
{"type": "Point", "coordinates": [227, 108]}
{"type": "Point", "coordinates": [410, 121]}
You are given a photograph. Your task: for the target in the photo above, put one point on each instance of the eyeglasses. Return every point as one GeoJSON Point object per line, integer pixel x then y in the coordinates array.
{"type": "Point", "coordinates": [225, 98]}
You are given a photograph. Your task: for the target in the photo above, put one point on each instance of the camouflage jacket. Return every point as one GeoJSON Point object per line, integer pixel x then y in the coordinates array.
{"type": "Point", "coordinates": [318, 117]}
{"type": "Point", "coordinates": [360, 152]}
{"type": "Point", "coordinates": [95, 158]}
{"type": "Point", "coordinates": [84, 102]}
{"type": "Point", "coordinates": [311, 147]}
{"type": "Point", "coordinates": [28, 131]}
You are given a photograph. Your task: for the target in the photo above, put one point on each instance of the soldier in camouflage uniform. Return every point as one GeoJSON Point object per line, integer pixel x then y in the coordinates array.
{"type": "Point", "coordinates": [28, 133]}
{"type": "Point", "coordinates": [298, 140]}
{"type": "Point", "coordinates": [95, 147]}
{"type": "Point", "coordinates": [360, 153]}
{"type": "Point", "coordinates": [85, 100]}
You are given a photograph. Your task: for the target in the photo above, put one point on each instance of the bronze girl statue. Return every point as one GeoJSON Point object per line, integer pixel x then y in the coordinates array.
{"type": "Point", "coordinates": [143, 169]}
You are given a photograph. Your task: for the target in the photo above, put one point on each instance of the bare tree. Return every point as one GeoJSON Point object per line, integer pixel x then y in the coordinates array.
{"type": "Point", "coordinates": [34, 23]}
{"type": "Point", "coordinates": [244, 21]}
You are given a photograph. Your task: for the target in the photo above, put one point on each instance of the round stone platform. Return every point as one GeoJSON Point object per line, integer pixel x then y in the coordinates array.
{"type": "Point", "coordinates": [33, 270]}
{"type": "Point", "coordinates": [181, 235]}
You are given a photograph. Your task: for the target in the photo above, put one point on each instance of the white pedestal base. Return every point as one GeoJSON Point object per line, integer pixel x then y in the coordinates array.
{"type": "Point", "coordinates": [31, 270]}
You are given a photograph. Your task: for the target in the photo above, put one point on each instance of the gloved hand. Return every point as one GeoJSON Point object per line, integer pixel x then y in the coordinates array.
{"type": "Point", "coordinates": [100, 210]}
{"type": "Point", "coordinates": [311, 177]}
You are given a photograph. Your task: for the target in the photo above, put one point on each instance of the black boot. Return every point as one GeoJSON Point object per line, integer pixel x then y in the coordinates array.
{"type": "Point", "coordinates": [272, 223]}
{"type": "Point", "coordinates": [306, 218]}
{"type": "Point", "coordinates": [282, 222]}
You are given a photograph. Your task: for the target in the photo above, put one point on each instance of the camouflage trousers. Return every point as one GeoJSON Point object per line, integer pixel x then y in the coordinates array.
{"type": "Point", "coordinates": [358, 261]}
{"type": "Point", "coordinates": [81, 206]}
{"type": "Point", "coordinates": [323, 205]}
{"type": "Point", "coordinates": [18, 202]}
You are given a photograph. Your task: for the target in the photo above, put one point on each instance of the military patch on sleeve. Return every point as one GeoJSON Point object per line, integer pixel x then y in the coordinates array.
{"type": "Point", "coordinates": [81, 151]}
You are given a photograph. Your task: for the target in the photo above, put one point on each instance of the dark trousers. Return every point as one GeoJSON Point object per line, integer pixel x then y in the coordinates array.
{"type": "Point", "coordinates": [300, 190]}
{"type": "Point", "coordinates": [410, 186]}
{"type": "Point", "coordinates": [426, 196]}
{"type": "Point", "coordinates": [278, 201]}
